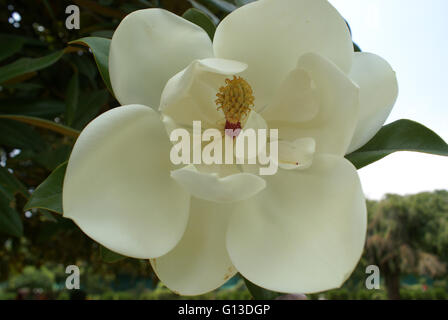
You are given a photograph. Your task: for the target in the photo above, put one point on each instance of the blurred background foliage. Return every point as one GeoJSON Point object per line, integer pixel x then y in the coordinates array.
{"type": "Point", "coordinates": [407, 238]}
{"type": "Point", "coordinates": [51, 88]}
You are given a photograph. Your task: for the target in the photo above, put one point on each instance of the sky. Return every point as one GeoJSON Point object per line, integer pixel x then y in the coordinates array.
{"type": "Point", "coordinates": [412, 36]}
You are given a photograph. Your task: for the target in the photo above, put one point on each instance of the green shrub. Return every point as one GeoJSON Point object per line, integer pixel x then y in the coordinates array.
{"type": "Point", "coordinates": [338, 294]}
{"type": "Point", "coordinates": [440, 294]}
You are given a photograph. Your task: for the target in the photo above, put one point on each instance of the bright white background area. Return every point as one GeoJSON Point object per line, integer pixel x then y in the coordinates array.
{"type": "Point", "coordinates": [412, 35]}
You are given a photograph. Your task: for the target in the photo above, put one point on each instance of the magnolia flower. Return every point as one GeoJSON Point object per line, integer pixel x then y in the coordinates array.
{"type": "Point", "coordinates": [290, 65]}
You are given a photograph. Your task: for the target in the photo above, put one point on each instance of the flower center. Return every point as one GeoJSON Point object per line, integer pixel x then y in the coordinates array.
{"type": "Point", "coordinates": [235, 99]}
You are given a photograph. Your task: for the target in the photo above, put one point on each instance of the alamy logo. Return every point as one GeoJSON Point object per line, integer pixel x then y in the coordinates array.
{"type": "Point", "coordinates": [72, 281]}
{"type": "Point", "coordinates": [373, 280]}
{"type": "Point", "coordinates": [72, 21]}
{"type": "Point", "coordinates": [248, 146]}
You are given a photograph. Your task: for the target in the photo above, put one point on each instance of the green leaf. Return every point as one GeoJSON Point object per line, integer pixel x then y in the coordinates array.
{"type": "Point", "coordinates": [43, 123]}
{"type": "Point", "coordinates": [10, 185]}
{"type": "Point", "coordinates": [356, 47]}
{"type": "Point", "coordinates": [48, 195]}
{"type": "Point", "coordinates": [50, 158]}
{"type": "Point", "coordinates": [27, 65]}
{"type": "Point", "coordinates": [10, 222]}
{"type": "Point", "coordinates": [26, 40]}
{"type": "Point", "coordinates": [110, 256]}
{"type": "Point", "coordinates": [86, 67]}
{"type": "Point", "coordinates": [43, 108]}
{"type": "Point", "coordinates": [221, 5]}
{"type": "Point", "coordinates": [201, 19]}
{"type": "Point", "coordinates": [204, 9]}
{"type": "Point", "coordinates": [10, 45]}
{"type": "Point", "coordinates": [18, 135]}
{"type": "Point", "coordinates": [241, 3]}
{"type": "Point", "coordinates": [103, 34]}
{"type": "Point", "coordinates": [89, 106]}
{"type": "Point", "coordinates": [401, 135]}
{"type": "Point", "coordinates": [259, 293]}
{"type": "Point", "coordinates": [26, 86]}
{"type": "Point", "coordinates": [71, 101]}
{"type": "Point", "coordinates": [100, 48]}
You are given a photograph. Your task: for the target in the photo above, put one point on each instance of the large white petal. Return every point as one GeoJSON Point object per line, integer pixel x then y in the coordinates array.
{"type": "Point", "coordinates": [296, 154]}
{"type": "Point", "coordinates": [211, 186]}
{"type": "Point", "coordinates": [190, 95]}
{"type": "Point", "coordinates": [295, 101]}
{"type": "Point", "coordinates": [200, 262]}
{"type": "Point", "coordinates": [148, 48]}
{"type": "Point", "coordinates": [118, 188]}
{"type": "Point", "coordinates": [305, 232]}
{"type": "Point", "coordinates": [270, 35]}
{"type": "Point", "coordinates": [378, 93]}
{"type": "Point", "coordinates": [338, 106]}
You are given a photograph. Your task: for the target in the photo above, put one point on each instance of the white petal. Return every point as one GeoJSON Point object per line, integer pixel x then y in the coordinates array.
{"type": "Point", "coordinates": [147, 49]}
{"type": "Point", "coordinates": [118, 188]}
{"type": "Point", "coordinates": [270, 35]}
{"type": "Point", "coordinates": [256, 122]}
{"type": "Point", "coordinates": [333, 126]}
{"type": "Point", "coordinates": [200, 262]}
{"type": "Point", "coordinates": [296, 100]}
{"type": "Point", "coordinates": [212, 187]}
{"type": "Point", "coordinates": [296, 154]}
{"type": "Point", "coordinates": [305, 232]}
{"type": "Point", "coordinates": [378, 93]}
{"type": "Point", "coordinates": [190, 95]}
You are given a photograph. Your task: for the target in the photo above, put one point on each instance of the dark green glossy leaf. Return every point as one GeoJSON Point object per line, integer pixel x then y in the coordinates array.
{"type": "Point", "coordinates": [10, 185]}
{"type": "Point", "coordinates": [204, 9]}
{"type": "Point", "coordinates": [241, 3]}
{"type": "Point", "coordinates": [18, 135]}
{"type": "Point", "coordinates": [201, 19]}
{"type": "Point", "coordinates": [401, 135]}
{"type": "Point", "coordinates": [10, 45]}
{"type": "Point", "coordinates": [110, 256]}
{"type": "Point", "coordinates": [48, 109]}
{"type": "Point", "coordinates": [220, 5]}
{"type": "Point", "coordinates": [89, 106]}
{"type": "Point", "coordinates": [51, 157]}
{"type": "Point", "coordinates": [26, 40]}
{"type": "Point", "coordinates": [71, 101]}
{"type": "Point", "coordinates": [10, 222]}
{"type": "Point", "coordinates": [356, 47]}
{"type": "Point", "coordinates": [105, 11]}
{"type": "Point", "coordinates": [103, 34]}
{"type": "Point", "coordinates": [100, 48]}
{"type": "Point", "coordinates": [259, 293]}
{"type": "Point", "coordinates": [86, 67]}
{"type": "Point", "coordinates": [48, 195]}
{"type": "Point", "coordinates": [27, 65]}
{"type": "Point", "coordinates": [23, 86]}
{"type": "Point", "coordinates": [43, 123]}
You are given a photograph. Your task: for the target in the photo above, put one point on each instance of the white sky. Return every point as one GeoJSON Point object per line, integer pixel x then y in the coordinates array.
{"type": "Point", "coordinates": [412, 36]}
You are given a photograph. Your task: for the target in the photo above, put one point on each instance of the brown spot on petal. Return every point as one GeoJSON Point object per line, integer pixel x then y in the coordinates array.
{"type": "Point", "coordinates": [229, 273]}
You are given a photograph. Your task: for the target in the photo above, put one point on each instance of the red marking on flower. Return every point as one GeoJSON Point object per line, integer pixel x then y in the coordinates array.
{"type": "Point", "coordinates": [232, 129]}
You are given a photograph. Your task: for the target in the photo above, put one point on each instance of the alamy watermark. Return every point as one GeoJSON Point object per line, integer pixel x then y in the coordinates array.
{"type": "Point", "coordinates": [73, 20]}
{"type": "Point", "coordinates": [72, 281]}
{"type": "Point", "coordinates": [248, 146]}
{"type": "Point", "coordinates": [373, 280]}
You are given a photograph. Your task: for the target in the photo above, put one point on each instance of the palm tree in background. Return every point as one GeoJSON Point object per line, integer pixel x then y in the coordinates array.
{"type": "Point", "coordinates": [408, 235]}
